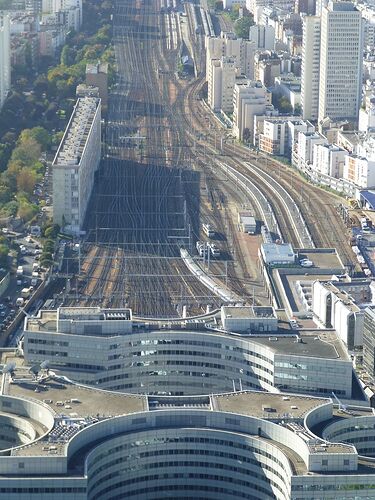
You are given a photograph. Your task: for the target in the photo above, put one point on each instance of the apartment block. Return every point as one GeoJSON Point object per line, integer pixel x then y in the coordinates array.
{"type": "Point", "coordinates": [340, 305]}
{"type": "Point", "coordinates": [277, 135]}
{"type": "Point", "coordinates": [262, 36]}
{"type": "Point", "coordinates": [221, 84]}
{"type": "Point", "coordinates": [228, 45]}
{"type": "Point", "coordinates": [250, 98]}
{"type": "Point", "coordinates": [5, 68]}
{"type": "Point", "coordinates": [303, 151]}
{"type": "Point", "coordinates": [75, 164]}
{"type": "Point", "coordinates": [329, 159]}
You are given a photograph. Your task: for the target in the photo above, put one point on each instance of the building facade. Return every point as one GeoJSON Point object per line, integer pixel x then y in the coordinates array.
{"type": "Point", "coordinates": [221, 83]}
{"type": "Point", "coordinates": [310, 68]}
{"type": "Point", "coordinates": [341, 55]}
{"type": "Point", "coordinates": [75, 164]}
{"type": "Point", "coordinates": [100, 347]}
{"type": "Point", "coordinates": [5, 69]}
{"type": "Point", "coordinates": [250, 98]}
{"type": "Point", "coordinates": [369, 342]}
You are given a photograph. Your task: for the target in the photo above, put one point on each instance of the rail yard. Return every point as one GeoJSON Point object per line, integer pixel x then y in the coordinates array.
{"type": "Point", "coordinates": [168, 168]}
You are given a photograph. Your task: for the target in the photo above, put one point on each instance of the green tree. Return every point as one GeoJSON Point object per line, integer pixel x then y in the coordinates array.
{"type": "Point", "coordinates": [27, 152]}
{"type": "Point", "coordinates": [39, 134]}
{"type": "Point", "coordinates": [242, 27]}
{"type": "Point", "coordinates": [4, 252]}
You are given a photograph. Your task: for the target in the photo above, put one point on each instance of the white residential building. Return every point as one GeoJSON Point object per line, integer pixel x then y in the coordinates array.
{"type": "Point", "coordinates": [75, 163]}
{"type": "Point", "coordinates": [228, 45]}
{"type": "Point", "coordinates": [221, 83]}
{"type": "Point", "coordinates": [360, 171]}
{"type": "Point", "coordinates": [304, 149]}
{"type": "Point", "coordinates": [340, 305]}
{"type": "Point", "coordinates": [310, 67]}
{"type": "Point", "coordinates": [329, 159]}
{"type": "Point", "coordinates": [341, 53]}
{"type": "Point", "coordinates": [366, 121]}
{"type": "Point", "coordinates": [5, 68]}
{"type": "Point", "coordinates": [68, 5]}
{"type": "Point", "coordinates": [250, 98]}
{"type": "Point", "coordinates": [277, 135]}
{"type": "Point", "coordinates": [262, 36]}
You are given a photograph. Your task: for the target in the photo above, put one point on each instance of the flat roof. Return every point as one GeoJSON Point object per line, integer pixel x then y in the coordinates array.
{"type": "Point", "coordinates": [75, 137]}
{"type": "Point", "coordinates": [317, 344]}
{"type": "Point", "coordinates": [243, 312]}
{"type": "Point", "coordinates": [252, 403]}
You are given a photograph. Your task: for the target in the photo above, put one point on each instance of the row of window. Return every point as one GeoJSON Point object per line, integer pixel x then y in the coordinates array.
{"type": "Point", "coordinates": [190, 486]}
{"type": "Point", "coordinates": [229, 493]}
{"type": "Point", "coordinates": [32, 491]}
{"type": "Point", "coordinates": [352, 428]}
{"type": "Point", "coordinates": [333, 487]}
{"type": "Point", "coordinates": [175, 465]}
{"type": "Point", "coordinates": [157, 441]}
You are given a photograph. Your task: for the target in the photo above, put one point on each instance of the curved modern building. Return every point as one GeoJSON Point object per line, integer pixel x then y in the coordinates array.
{"type": "Point", "coordinates": [181, 410]}
{"type": "Point", "coordinates": [106, 348]}
{"type": "Point", "coordinates": [62, 440]}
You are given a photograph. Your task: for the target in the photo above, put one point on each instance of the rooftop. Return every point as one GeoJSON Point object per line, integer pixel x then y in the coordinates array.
{"type": "Point", "coordinates": [266, 405]}
{"type": "Point", "coordinates": [99, 67]}
{"type": "Point", "coordinates": [244, 312]}
{"type": "Point", "coordinates": [317, 345]}
{"type": "Point", "coordinates": [75, 137]}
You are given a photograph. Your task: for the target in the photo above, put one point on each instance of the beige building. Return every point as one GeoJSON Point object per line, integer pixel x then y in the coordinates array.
{"type": "Point", "coordinates": [250, 98]}
{"type": "Point", "coordinates": [230, 46]}
{"type": "Point", "coordinates": [220, 84]}
{"type": "Point", "coordinates": [97, 76]}
{"type": "Point", "coordinates": [75, 163]}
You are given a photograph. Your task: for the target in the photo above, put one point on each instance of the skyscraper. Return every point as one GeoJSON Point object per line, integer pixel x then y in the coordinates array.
{"type": "Point", "coordinates": [340, 61]}
{"type": "Point", "coordinates": [4, 58]}
{"type": "Point", "coordinates": [310, 67]}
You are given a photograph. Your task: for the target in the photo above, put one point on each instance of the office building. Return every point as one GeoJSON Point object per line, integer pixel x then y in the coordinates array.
{"type": "Point", "coordinates": [341, 53]}
{"type": "Point", "coordinates": [5, 68]}
{"type": "Point", "coordinates": [369, 342]}
{"type": "Point", "coordinates": [62, 440]}
{"type": "Point", "coordinates": [107, 349]}
{"type": "Point", "coordinates": [75, 164]}
{"type": "Point", "coordinates": [310, 67]}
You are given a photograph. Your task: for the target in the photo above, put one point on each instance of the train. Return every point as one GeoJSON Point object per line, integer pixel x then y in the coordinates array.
{"type": "Point", "coordinates": [208, 27]}
{"type": "Point", "coordinates": [208, 231]}
{"type": "Point", "coordinates": [204, 249]}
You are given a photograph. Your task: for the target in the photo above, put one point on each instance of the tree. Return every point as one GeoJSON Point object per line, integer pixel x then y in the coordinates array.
{"type": "Point", "coordinates": [4, 251]}
{"type": "Point", "coordinates": [246, 135]}
{"type": "Point", "coordinates": [51, 232]}
{"type": "Point", "coordinates": [26, 180]}
{"type": "Point", "coordinates": [39, 134]}
{"type": "Point", "coordinates": [28, 151]}
{"type": "Point", "coordinates": [5, 194]}
{"type": "Point", "coordinates": [242, 27]}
